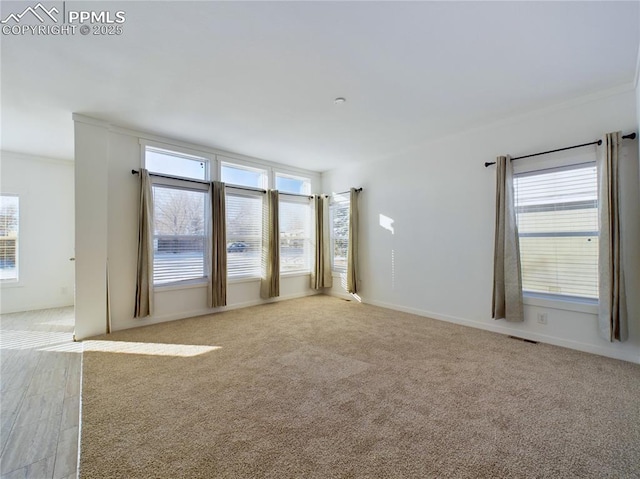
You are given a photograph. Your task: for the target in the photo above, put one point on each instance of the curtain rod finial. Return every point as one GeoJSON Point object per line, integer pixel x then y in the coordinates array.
{"type": "Point", "coordinates": [489, 163]}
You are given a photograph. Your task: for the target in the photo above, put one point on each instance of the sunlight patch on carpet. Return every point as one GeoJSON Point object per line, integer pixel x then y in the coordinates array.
{"type": "Point", "coordinates": [152, 349]}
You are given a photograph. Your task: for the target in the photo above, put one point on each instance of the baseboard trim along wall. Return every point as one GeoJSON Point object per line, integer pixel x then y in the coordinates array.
{"type": "Point", "coordinates": [205, 312]}
{"type": "Point", "coordinates": [502, 329]}
{"type": "Point", "coordinates": [37, 307]}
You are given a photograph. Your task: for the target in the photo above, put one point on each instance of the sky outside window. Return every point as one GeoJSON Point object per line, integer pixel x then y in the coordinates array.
{"type": "Point", "coordinates": [292, 184]}
{"type": "Point", "coordinates": [237, 175]}
{"type": "Point", "coordinates": [169, 163]}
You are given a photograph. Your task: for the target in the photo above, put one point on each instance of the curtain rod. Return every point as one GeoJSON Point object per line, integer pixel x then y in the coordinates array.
{"type": "Point", "coordinates": [136, 172]}
{"type": "Point", "coordinates": [193, 180]}
{"type": "Point", "coordinates": [295, 194]}
{"type": "Point", "coordinates": [358, 190]}
{"type": "Point", "coordinates": [630, 136]}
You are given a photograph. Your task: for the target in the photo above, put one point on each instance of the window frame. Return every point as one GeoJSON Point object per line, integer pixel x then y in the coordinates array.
{"type": "Point", "coordinates": [244, 191]}
{"type": "Point", "coordinates": [179, 151]}
{"type": "Point", "coordinates": [306, 181]}
{"type": "Point", "coordinates": [214, 163]}
{"type": "Point", "coordinates": [182, 183]}
{"type": "Point", "coordinates": [15, 281]}
{"type": "Point", "coordinates": [243, 165]}
{"type": "Point", "coordinates": [344, 200]}
{"type": "Point", "coordinates": [564, 160]}
{"type": "Point", "coordinates": [295, 198]}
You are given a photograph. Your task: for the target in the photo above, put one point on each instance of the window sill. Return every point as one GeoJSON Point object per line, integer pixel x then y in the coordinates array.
{"type": "Point", "coordinates": [293, 274]}
{"type": "Point", "coordinates": [10, 283]}
{"type": "Point", "coordinates": [178, 286]}
{"type": "Point", "coordinates": [243, 279]}
{"type": "Point", "coordinates": [566, 304]}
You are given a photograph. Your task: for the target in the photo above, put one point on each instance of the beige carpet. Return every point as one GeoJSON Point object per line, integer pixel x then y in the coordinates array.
{"type": "Point", "coordinates": [324, 388]}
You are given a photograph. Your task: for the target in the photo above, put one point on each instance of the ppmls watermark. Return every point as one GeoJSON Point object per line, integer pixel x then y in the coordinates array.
{"type": "Point", "coordinates": [58, 20]}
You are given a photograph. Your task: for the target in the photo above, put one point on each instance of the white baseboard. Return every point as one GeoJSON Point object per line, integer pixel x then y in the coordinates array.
{"type": "Point", "coordinates": [37, 307]}
{"type": "Point", "coordinates": [339, 294]}
{"type": "Point", "coordinates": [206, 311]}
{"type": "Point", "coordinates": [496, 327]}
{"type": "Point", "coordinates": [502, 329]}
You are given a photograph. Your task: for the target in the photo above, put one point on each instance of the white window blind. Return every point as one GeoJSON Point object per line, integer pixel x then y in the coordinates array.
{"type": "Point", "coordinates": [295, 234]}
{"type": "Point", "coordinates": [244, 233]}
{"type": "Point", "coordinates": [180, 224]}
{"type": "Point", "coordinates": [339, 212]}
{"type": "Point", "coordinates": [9, 221]}
{"type": "Point", "coordinates": [557, 216]}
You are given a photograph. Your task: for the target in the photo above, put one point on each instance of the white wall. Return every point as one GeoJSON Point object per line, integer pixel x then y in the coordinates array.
{"type": "Point", "coordinates": [91, 202]}
{"type": "Point", "coordinates": [46, 232]}
{"type": "Point", "coordinates": [437, 261]}
{"type": "Point", "coordinates": [638, 100]}
{"type": "Point", "coordinates": [107, 197]}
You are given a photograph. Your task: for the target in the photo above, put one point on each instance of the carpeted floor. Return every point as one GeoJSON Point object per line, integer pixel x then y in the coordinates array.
{"type": "Point", "coordinates": [324, 388]}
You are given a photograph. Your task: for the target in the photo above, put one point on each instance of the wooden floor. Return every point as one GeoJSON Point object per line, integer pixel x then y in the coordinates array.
{"type": "Point", "coordinates": [40, 395]}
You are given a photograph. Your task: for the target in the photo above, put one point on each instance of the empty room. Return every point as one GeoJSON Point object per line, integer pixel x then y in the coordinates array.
{"type": "Point", "coordinates": [317, 239]}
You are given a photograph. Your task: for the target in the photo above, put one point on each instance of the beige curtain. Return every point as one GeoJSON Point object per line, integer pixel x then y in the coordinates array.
{"type": "Point", "coordinates": [217, 288]}
{"type": "Point", "coordinates": [321, 276]}
{"type": "Point", "coordinates": [352, 251]}
{"type": "Point", "coordinates": [144, 280]}
{"type": "Point", "coordinates": [507, 276]}
{"type": "Point", "coordinates": [612, 310]}
{"type": "Point", "coordinates": [270, 283]}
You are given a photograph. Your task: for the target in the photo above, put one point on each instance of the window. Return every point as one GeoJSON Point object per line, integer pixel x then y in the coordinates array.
{"type": "Point", "coordinates": [180, 216]}
{"type": "Point", "coordinates": [244, 219]}
{"type": "Point", "coordinates": [9, 222]}
{"type": "Point", "coordinates": [339, 212]}
{"type": "Point", "coordinates": [293, 184]}
{"type": "Point", "coordinates": [179, 242]}
{"type": "Point", "coordinates": [557, 217]}
{"type": "Point", "coordinates": [239, 175]}
{"type": "Point", "coordinates": [295, 234]}
{"type": "Point", "coordinates": [176, 164]}
{"type": "Point", "coordinates": [244, 233]}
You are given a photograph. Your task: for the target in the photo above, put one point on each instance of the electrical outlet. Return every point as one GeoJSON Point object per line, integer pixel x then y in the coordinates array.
{"type": "Point", "coordinates": [542, 318]}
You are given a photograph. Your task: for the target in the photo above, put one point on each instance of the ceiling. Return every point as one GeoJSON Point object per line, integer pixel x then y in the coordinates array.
{"type": "Point", "coordinates": [260, 78]}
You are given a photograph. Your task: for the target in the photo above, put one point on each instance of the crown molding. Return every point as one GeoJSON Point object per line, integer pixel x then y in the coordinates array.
{"type": "Point", "coordinates": [14, 155]}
